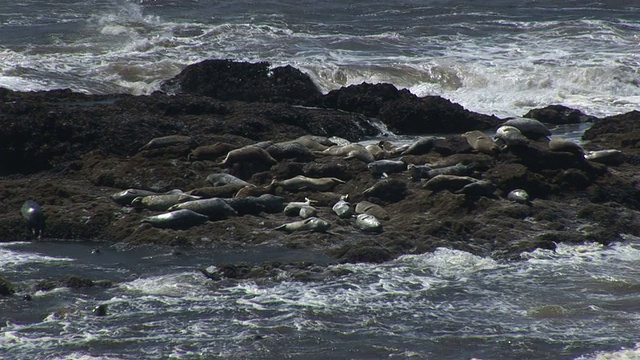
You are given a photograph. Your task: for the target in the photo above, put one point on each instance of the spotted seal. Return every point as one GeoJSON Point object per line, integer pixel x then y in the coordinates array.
{"type": "Point", "coordinates": [510, 136]}
{"type": "Point", "coordinates": [125, 197]}
{"type": "Point", "coordinates": [293, 208]}
{"type": "Point", "coordinates": [607, 157]}
{"type": "Point", "coordinates": [248, 154]}
{"type": "Point", "coordinates": [222, 191]}
{"type": "Point", "coordinates": [178, 219]}
{"type": "Point", "coordinates": [368, 223]}
{"type": "Point", "coordinates": [313, 224]}
{"type": "Point", "coordinates": [560, 144]}
{"type": "Point", "coordinates": [421, 146]}
{"type": "Point", "coordinates": [214, 208]}
{"type": "Point", "coordinates": [518, 195]}
{"type": "Point", "coordinates": [32, 212]}
{"type": "Point", "coordinates": [290, 150]}
{"type": "Point", "coordinates": [457, 169]}
{"type": "Point", "coordinates": [377, 151]}
{"type": "Point", "coordinates": [419, 171]}
{"type": "Point", "coordinates": [249, 205]}
{"type": "Point", "coordinates": [448, 182]}
{"type": "Point", "coordinates": [480, 142]}
{"type": "Point", "coordinates": [342, 207]}
{"type": "Point", "coordinates": [302, 182]}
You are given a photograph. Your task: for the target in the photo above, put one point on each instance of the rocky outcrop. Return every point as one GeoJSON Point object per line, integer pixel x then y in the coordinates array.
{"type": "Point", "coordinates": [559, 114]}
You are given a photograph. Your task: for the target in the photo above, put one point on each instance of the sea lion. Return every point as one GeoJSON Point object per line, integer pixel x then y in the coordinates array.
{"type": "Point", "coordinates": [368, 223]}
{"type": "Point", "coordinates": [32, 212]}
{"type": "Point", "coordinates": [248, 154]}
{"type": "Point", "coordinates": [366, 207]}
{"type": "Point", "coordinates": [313, 224]}
{"type": "Point", "coordinates": [210, 152]}
{"type": "Point", "coordinates": [166, 141]}
{"type": "Point", "coordinates": [161, 202]}
{"type": "Point", "coordinates": [380, 167]}
{"type": "Point", "coordinates": [125, 197]}
{"type": "Point", "coordinates": [421, 146]}
{"type": "Point", "coordinates": [302, 182]}
{"type": "Point", "coordinates": [350, 151]}
{"type": "Point", "coordinates": [448, 182]}
{"type": "Point", "coordinates": [518, 195]}
{"type": "Point", "coordinates": [510, 136]}
{"type": "Point", "coordinates": [342, 208]}
{"type": "Point", "coordinates": [560, 144]}
{"type": "Point", "coordinates": [480, 142]}
{"type": "Point", "coordinates": [220, 179]}
{"type": "Point", "coordinates": [214, 208]}
{"type": "Point", "coordinates": [531, 128]}
{"type": "Point", "coordinates": [178, 219]}
{"type": "Point", "coordinates": [607, 157]}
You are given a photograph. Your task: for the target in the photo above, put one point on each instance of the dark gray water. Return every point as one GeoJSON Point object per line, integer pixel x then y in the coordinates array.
{"type": "Point", "coordinates": [501, 57]}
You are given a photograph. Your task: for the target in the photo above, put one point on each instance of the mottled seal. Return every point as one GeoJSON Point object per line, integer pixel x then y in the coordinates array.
{"type": "Point", "coordinates": [302, 182]}
{"type": "Point", "coordinates": [290, 150]}
{"type": "Point", "coordinates": [272, 203]}
{"type": "Point", "coordinates": [307, 212]}
{"type": "Point", "coordinates": [368, 223]}
{"type": "Point", "coordinates": [607, 157]}
{"type": "Point", "coordinates": [125, 197]}
{"type": "Point", "coordinates": [313, 224]}
{"type": "Point", "coordinates": [419, 171]}
{"type": "Point", "coordinates": [457, 169]}
{"type": "Point", "coordinates": [246, 205]}
{"type": "Point", "coordinates": [350, 151]}
{"type": "Point", "coordinates": [531, 128]}
{"type": "Point", "coordinates": [420, 146]}
{"type": "Point", "coordinates": [32, 212]}
{"type": "Point", "coordinates": [257, 190]}
{"type": "Point", "coordinates": [448, 182]}
{"type": "Point", "coordinates": [293, 208]}
{"type": "Point", "coordinates": [366, 207]}
{"type": "Point", "coordinates": [342, 207]}
{"type": "Point", "coordinates": [178, 219]}
{"type": "Point", "coordinates": [161, 202]}
{"type": "Point", "coordinates": [214, 208]}
{"type": "Point", "coordinates": [248, 154]}
{"type": "Point", "coordinates": [560, 144]}
{"type": "Point", "coordinates": [210, 152]}
{"type": "Point", "coordinates": [391, 190]}
{"type": "Point", "coordinates": [478, 188]}
{"type": "Point", "coordinates": [480, 142]}
{"type": "Point", "coordinates": [518, 195]}
{"type": "Point", "coordinates": [220, 179]}
{"type": "Point", "coordinates": [315, 143]}
{"type": "Point", "coordinates": [380, 167]}
{"type": "Point", "coordinates": [171, 140]}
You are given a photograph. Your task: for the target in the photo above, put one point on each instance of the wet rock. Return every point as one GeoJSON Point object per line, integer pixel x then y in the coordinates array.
{"type": "Point", "coordinates": [6, 287]}
{"type": "Point", "coordinates": [559, 114]}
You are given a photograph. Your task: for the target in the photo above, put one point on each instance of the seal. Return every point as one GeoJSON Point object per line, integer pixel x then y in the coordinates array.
{"type": "Point", "coordinates": [248, 154]}
{"type": "Point", "coordinates": [560, 144]}
{"type": "Point", "coordinates": [246, 205]}
{"type": "Point", "coordinates": [253, 190]}
{"type": "Point", "coordinates": [210, 152]}
{"type": "Point", "coordinates": [377, 151]}
{"type": "Point", "coordinates": [510, 136]}
{"type": "Point", "coordinates": [221, 179]}
{"type": "Point", "coordinates": [368, 223]}
{"type": "Point", "coordinates": [478, 188]}
{"type": "Point", "coordinates": [391, 190]}
{"type": "Point", "coordinates": [518, 195]}
{"type": "Point", "coordinates": [531, 128]}
{"type": "Point", "coordinates": [291, 150]}
{"type": "Point", "coordinates": [223, 191]}
{"type": "Point", "coordinates": [178, 219]}
{"type": "Point", "coordinates": [480, 142]}
{"type": "Point", "coordinates": [418, 171]}
{"type": "Point", "coordinates": [301, 182]}
{"type": "Point", "coordinates": [32, 212]}
{"type": "Point", "coordinates": [607, 157]}
{"type": "Point", "coordinates": [457, 169]}
{"type": "Point", "coordinates": [391, 149]}
{"type": "Point", "coordinates": [312, 224]}
{"type": "Point", "coordinates": [421, 146]}
{"type": "Point", "coordinates": [366, 207]}
{"type": "Point", "coordinates": [161, 202]}
{"type": "Point", "coordinates": [380, 167]}
{"type": "Point", "coordinates": [272, 204]}
{"type": "Point", "coordinates": [350, 151]}
{"type": "Point", "coordinates": [342, 207]}
{"type": "Point", "coordinates": [125, 197]}
{"type": "Point", "coordinates": [314, 143]}
{"type": "Point", "coordinates": [293, 208]}
{"type": "Point", "coordinates": [214, 208]}
{"type": "Point", "coordinates": [166, 141]}
{"type": "Point", "coordinates": [307, 212]}
{"type": "Point", "coordinates": [448, 182]}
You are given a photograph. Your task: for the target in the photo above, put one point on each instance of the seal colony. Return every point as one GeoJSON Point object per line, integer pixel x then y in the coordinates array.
{"type": "Point", "coordinates": [236, 154]}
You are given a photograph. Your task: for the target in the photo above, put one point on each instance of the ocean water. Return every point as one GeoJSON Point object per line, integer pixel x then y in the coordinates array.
{"type": "Point", "coordinates": [499, 57]}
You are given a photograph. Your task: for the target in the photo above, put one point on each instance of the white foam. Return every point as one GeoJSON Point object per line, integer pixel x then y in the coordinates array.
{"type": "Point", "coordinates": [11, 259]}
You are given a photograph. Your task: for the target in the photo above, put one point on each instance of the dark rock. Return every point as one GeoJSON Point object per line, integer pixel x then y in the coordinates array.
{"type": "Point", "coordinates": [367, 99]}
{"type": "Point", "coordinates": [6, 287]}
{"type": "Point", "coordinates": [559, 114]}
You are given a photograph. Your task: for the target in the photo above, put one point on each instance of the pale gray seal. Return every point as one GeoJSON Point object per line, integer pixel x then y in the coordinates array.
{"type": "Point", "coordinates": [607, 157]}
{"type": "Point", "coordinates": [293, 208]}
{"type": "Point", "coordinates": [125, 197]}
{"type": "Point", "coordinates": [378, 152]}
{"type": "Point", "coordinates": [302, 182]}
{"type": "Point", "coordinates": [420, 146]}
{"type": "Point", "coordinates": [531, 128]}
{"type": "Point", "coordinates": [518, 195]}
{"type": "Point", "coordinates": [380, 167]}
{"type": "Point", "coordinates": [161, 202]}
{"type": "Point", "coordinates": [223, 191]}
{"type": "Point", "coordinates": [178, 219]}
{"type": "Point", "coordinates": [248, 154]}
{"type": "Point", "coordinates": [214, 208]}
{"type": "Point", "coordinates": [560, 144]}
{"type": "Point", "coordinates": [366, 207]}
{"type": "Point", "coordinates": [220, 179]}
{"type": "Point", "coordinates": [314, 143]}
{"type": "Point", "coordinates": [448, 182]}
{"type": "Point", "coordinates": [480, 142]}
{"type": "Point", "coordinates": [342, 208]}
{"type": "Point", "coordinates": [307, 212]}
{"type": "Point", "coordinates": [350, 151]}
{"type": "Point", "coordinates": [510, 136]}
{"type": "Point", "coordinates": [166, 141]}
{"type": "Point", "coordinates": [313, 224]}
{"type": "Point", "coordinates": [210, 152]}
{"type": "Point", "coordinates": [368, 223]}
{"type": "Point", "coordinates": [32, 212]}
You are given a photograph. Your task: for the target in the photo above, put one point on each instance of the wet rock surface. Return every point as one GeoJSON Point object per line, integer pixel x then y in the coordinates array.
{"type": "Point", "coordinates": [71, 152]}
